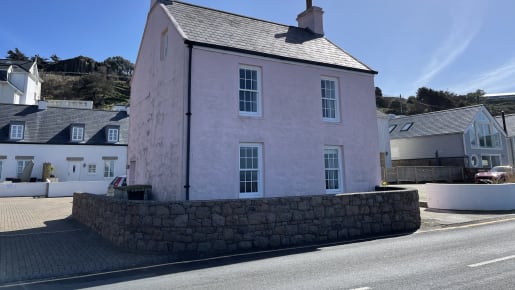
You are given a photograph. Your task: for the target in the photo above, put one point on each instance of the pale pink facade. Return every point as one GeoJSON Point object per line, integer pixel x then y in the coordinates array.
{"type": "Point", "coordinates": [290, 129]}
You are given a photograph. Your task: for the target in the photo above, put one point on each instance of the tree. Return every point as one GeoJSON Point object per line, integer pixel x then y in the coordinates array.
{"type": "Point", "coordinates": [379, 92]}
{"type": "Point", "coordinates": [96, 88]}
{"type": "Point", "coordinates": [16, 54]}
{"type": "Point", "coordinates": [437, 100]}
{"type": "Point", "coordinates": [119, 65]}
{"type": "Point", "coordinates": [55, 58]}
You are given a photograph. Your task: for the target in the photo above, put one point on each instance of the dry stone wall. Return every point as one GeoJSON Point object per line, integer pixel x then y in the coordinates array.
{"type": "Point", "coordinates": [206, 228]}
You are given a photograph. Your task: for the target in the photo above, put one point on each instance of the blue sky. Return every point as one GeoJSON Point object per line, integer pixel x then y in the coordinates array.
{"type": "Point", "coordinates": [458, 45]}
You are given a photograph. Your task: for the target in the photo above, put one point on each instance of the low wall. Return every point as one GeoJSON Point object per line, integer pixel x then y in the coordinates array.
{"type": "Point", "coordinates": [52, 189]}
{"type": "Point", "coordinates": [206, 228]}
{"type": "Point", "coordinates": [8, 189]}
{"type": "Point", "coordinates": [470, 196]}
{"type": "Point", "coordinates": [67, 188]}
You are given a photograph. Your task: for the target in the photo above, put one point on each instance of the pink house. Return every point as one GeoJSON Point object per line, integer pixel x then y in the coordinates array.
{"type": "Point", "coordinates": [225, 106]}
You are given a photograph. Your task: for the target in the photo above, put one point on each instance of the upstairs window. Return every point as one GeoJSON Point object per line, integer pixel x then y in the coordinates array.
{"type": "Point", "coordinates": [112, 135]}
{"type": "Point", "coordinates": [330, 111]}
{"type": "Point", "coordinates": [77, 133]}
{"type": "Point", "coordinates": [484, 134]}
{"type": "Point", "coordinates": [406, 127]}
{"type": "Point", "coordinates": [250, 91]}
{"type": "Point", "coordinates": [391, 128]}
{"type": "Point", "coordinates": [16, 131]}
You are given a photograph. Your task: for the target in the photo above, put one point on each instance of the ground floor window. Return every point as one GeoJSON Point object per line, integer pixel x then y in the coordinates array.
{"type": "Point", "coordinates": [92, 169]}
{"type": "Point", "coordinates": [108, 168]}
{"type": "Point", "coordinates": [20, 165]}
{"type": "Point", "coordinates": [489, 161]}
{"type": "Point", "coordinates": [333, 172]}
{"type": "Point", "coordinates": [1, 169]}
{"type": "Point", "coordinates": [251, 180]}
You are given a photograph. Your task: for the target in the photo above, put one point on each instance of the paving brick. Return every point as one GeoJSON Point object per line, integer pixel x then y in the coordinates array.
{"type": "Point", "coordinates": [38, 240]}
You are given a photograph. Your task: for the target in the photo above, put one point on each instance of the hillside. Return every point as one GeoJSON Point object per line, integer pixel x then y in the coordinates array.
{"type": "Point", "coordinates": [106, 83]}
{"type": "Point", "coordinates": [428, 100]}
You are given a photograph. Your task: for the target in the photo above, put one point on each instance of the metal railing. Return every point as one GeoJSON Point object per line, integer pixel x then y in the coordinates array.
{"type": "Point", "coordinates": [416, 174]}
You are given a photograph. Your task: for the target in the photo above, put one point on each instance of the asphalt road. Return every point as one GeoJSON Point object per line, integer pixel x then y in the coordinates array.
{"type": "Point", "coordinates": [470, 257]}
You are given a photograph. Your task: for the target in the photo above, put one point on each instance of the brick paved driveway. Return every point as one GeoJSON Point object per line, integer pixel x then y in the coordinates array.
{"type": "Point", "coordinates": [39, 241]}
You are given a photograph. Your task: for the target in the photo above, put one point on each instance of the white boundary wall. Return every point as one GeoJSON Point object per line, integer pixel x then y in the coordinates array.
{"type": "Point", "coordinates": [52, 189]}
{"type": "Point", "coordinates": [470, 196]}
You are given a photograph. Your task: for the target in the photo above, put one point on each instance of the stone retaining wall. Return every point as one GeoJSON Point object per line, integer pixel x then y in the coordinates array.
{"type": "Point", "coordinates": [206, 228]}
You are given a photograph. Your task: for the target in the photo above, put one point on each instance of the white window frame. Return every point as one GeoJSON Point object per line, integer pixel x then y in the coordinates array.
{"type": "Point", "coordinates": [478, 127]}
{"type": "Point", "coordinates": [112, 135]}
{"type": "Point", "coordinates": [109, 168]}
{"type": "Point", "coordinates": [17, 131]}
{"type": "Point", "coordinates": [325, 98]}
{"type": "Point", "coordinates": [406, 126]}
{"type": "Point", "coordinates": [259, 170]}
{"type": "Point", "coordinates": [257, 91]}
{"type": "Point", "coordinates": [92, 169]}
{"type": "Point", "coordinates": [20, 165]}
{"type": "Point", "coordinates": [338, 150]}
{"type": "Point", "coordinates": [489, 159]}
{"type": "Point", "coordinates": [77, 133]}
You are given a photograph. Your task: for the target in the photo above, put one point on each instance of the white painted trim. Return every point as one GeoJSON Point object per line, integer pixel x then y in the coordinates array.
{"type": "Point", "coordinates": [336, 81]}
{"type": "Point", "coordinates": [260, 192]}
{"type": "Point", "coordinates": [340, 188]}
{"type": "Point", "coordinates": [259, 71]}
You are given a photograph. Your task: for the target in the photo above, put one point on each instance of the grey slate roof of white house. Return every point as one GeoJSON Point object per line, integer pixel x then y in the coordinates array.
{"type": "Point", "coordinates": [435, 123]}
{"type": "Point", "coordinates": [218, 29]}
{"type": "Point", "coordinates": [510, 123]}
{"type": "Point", "coordinates": [24, 64]}
{"type": "Point", "coordinates": [52, 125]}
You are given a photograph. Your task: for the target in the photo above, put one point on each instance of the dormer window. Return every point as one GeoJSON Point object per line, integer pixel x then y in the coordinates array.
{"type": "Point", "coordinates": [406, 126]}
{"type": "Point", "coordinates": [391, 128]}
{"type": "Point", "coordinates": [77, 133]}
{"type": "Point", "coordinates": [112, 134]}
{"type": "Point", "coordinates": [16, 130]}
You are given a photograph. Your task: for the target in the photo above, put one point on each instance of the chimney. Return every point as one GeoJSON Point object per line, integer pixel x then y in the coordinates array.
{"type": "Point", "coordinates": [312, 18]}
{"type": "Point", "coordinates": [42, 105]}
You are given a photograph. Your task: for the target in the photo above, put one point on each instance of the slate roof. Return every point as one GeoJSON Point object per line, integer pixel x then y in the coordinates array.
{"type": "Point", "coordinates": [435, 123]}
{"type": "Point", "coordinates": [24, 64]}
{"type": "Point", "coordinates": [52, 125]}
{"type": "Point", "coordinates": [510, 123]}
{"type": "Point", "coordinates": [218, 29]}
{"type": "Point", "coordinates": [3, 75]}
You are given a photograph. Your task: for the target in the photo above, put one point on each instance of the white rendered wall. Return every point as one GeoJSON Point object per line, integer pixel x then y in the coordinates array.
{"type": "Point", "coordinates": [59, 189]}
{"type": "Point", "coordinates": [471, 196]}
{"type": "Point", "coordinates": [58, 154]}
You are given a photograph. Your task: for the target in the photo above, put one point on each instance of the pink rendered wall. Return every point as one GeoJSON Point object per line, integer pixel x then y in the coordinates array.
{"type": "Point", "coordinates": [291, 128]}
{"type": "Point", "coordinates": [158, 93]}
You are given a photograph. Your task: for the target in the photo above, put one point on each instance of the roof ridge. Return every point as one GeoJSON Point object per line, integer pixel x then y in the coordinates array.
{"type": "Point", "coordinates": [61, 108]}
{"type": "Point", "coordinates": [441, 111]}
{"type": "Point", "coordinates": [236, 14]}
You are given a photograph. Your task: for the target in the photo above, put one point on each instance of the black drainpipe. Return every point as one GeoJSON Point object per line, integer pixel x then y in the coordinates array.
{"type": "Point", "coordinates": [504, 123]}
{"type": "Point", "coordinates": [188, 124]}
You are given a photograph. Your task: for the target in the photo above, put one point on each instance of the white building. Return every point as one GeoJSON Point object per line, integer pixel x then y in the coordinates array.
{"type": "Point", "coordinates": [80, 144]}
{"type": "Point", "coordinates": [19, 82]}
